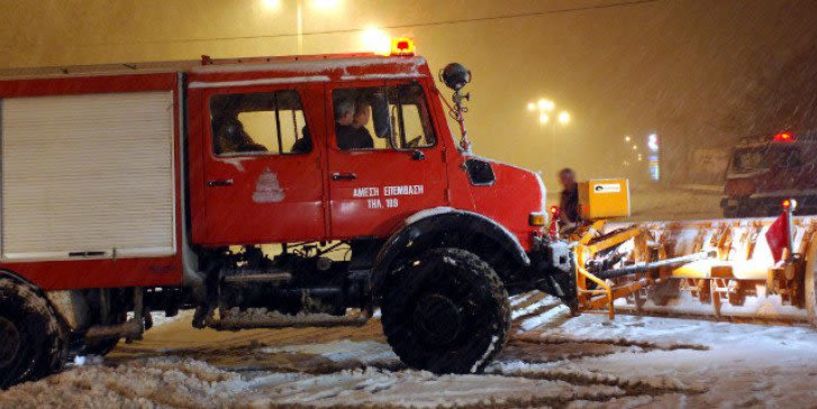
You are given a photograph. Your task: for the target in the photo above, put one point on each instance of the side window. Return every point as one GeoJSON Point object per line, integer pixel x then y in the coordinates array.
{"type": "Point", "coordinates": [382, 118]}
{"type": "Point", "coordinates": [411, 124]}
{"type": "Point", "coordinates": [270, 123]}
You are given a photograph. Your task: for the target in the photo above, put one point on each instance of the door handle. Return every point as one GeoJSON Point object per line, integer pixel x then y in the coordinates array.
{"type": "Point", "coordinates": [344, 176]}
{"type": "Point", "coordinates": [219, 182]}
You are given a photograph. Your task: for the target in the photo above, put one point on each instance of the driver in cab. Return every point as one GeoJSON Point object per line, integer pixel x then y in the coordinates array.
{"type": "Point", "coordinates": [350, 127]}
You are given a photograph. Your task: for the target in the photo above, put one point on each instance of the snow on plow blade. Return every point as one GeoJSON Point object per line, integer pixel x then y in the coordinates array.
{"type": "Point", "coordinates": [722, 269]}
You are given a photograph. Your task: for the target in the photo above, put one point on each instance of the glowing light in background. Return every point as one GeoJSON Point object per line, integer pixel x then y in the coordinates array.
{"type": "Point", "coordinates": [783, 137]}
{"type": "Point", "coordinates": [325, 4]}
{"type": "Point", "coordinates": [627, 139]}
{"type": "Point", "coordinates": [271, 4]}
{"type": "Point", "coordinates": [654, 159]}
{"type": "Point", "coordinates": [546, 105]}
{"type": "Point", "coordinates": [564, 117]}
{"type": "Point", "coordinates": [376, 40]}
{"type": "Point", "coordinates": [544, 108]}
{"type": "Point", "coordinates": [652, 142]}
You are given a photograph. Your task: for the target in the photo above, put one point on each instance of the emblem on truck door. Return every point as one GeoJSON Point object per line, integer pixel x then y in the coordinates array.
{"type": "Point", "coordinates": [267, 189]}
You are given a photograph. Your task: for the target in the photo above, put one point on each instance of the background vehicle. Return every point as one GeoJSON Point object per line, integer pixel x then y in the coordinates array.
{"type": "Point", "coordinates": [154, 187]}
{"type": "Point", "coordinates": [766, 170]}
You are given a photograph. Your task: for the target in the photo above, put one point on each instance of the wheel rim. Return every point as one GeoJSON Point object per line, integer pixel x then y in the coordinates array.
{"type": "Point", "coordinates": [9, 342]}
{"type": "Point", "coordinates": [437, 319]}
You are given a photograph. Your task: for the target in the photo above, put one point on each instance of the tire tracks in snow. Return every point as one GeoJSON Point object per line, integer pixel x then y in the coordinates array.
{"type": "Point", "coordinates": [533, 355]}
{"type": "Point", "coordinates": [631, 386]}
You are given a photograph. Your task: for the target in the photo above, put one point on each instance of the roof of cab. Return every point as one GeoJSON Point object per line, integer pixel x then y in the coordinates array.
{"type": "Point", "coordinates": [338, 66]}
{"type": "Point", "coordinates": [765, 140]}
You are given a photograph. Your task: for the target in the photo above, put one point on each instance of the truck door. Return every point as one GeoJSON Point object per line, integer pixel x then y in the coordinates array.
{"type": "Point", "coordinates": [385, 165]}
{"type": "Point", "coordinates": [262, 155]}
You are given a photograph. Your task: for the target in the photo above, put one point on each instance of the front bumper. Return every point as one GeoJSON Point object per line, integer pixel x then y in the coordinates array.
{"type": "Point", "coordinates": [553, 268]}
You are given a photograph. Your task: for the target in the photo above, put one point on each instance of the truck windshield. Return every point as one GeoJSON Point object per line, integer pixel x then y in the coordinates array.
{"type": "Point", "coordinates": [762, 158]}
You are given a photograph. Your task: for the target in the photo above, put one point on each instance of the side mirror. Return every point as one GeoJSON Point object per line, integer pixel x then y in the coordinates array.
{"type": "Point", "coordinates": [456, 76]}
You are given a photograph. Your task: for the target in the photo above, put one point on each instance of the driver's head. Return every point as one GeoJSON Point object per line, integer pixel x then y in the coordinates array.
{"type": "Point", "coordinates": [567, 178]}
{"type": "Point", "coordinates": [363, 112]}
{"type": "Point", "coordinates": [232, 130]}
{"type": "Point", "coordinates": [344, 112]}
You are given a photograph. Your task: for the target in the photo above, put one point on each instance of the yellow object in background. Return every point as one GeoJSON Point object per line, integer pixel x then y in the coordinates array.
{"type": "Point", "coordinates": [604, 198]}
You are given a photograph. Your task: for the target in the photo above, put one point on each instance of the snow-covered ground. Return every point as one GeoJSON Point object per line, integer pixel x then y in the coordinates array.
{"type": "Point", "coordinates": [551, 360]}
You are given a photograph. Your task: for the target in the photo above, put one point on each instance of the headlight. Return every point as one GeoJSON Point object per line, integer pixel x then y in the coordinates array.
{"type": "Point", "coordinates": [537, 219]}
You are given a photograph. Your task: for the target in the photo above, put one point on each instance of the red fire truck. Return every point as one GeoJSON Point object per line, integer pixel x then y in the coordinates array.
{"type": "Point", "coordinates": [766, 170]}
{"type": "Point", "coordinates": [269, 192]}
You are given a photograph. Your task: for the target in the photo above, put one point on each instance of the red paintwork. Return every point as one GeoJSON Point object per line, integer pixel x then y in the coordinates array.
{"type": "Point", "coordinates": [104, 273]}
{"type": "Point", "coordinates": [351, 216]}
{"type": "Point", "coordinates": [509, 202]}
{"type": "Point", "coordinates": [227, 214]}
{"type": "Point", "coordinates": [315, 207]}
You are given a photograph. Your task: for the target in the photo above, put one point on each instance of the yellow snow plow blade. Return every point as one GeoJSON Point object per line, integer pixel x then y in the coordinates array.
{"type": "Point", "coordinates": [716, 268]}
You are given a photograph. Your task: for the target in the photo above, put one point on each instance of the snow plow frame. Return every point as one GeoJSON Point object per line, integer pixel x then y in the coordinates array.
{"type": "Point", "coordinates": [718, 262]}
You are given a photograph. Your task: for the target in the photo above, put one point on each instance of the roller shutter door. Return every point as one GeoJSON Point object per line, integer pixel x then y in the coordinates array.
{"type": "Point", "coordinates": [87, 176]}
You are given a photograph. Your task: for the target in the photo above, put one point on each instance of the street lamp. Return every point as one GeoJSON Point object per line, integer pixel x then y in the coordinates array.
{"type": "Point", "coordinates": [544, 108]}
{"type": "Point", "coordinates": [376, 40]}
{"type": "Point", "coordinates": [564, 117]}
{"type": "Point", "coordinates": [272, 4]}
{"type": "Point", "coordinates": [546, 105]}
{"type": "Point", "coordinates": [321, 5]}
{"type": "Point", "coordinates": [325, 4]}
{"type": "Point", "coordinates": [318, 5]}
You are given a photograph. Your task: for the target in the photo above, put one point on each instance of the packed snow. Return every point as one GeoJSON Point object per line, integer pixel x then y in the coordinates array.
{"type": "Point", "coordinates": [551, 360]}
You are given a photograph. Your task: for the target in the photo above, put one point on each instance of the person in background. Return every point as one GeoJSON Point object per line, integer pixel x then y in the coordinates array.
{"type": "Point", "coordinates": [304, 144]}
{"type": "Point", "coordinates": [232, 138]}
{"type": "Point", "coordinates": [569, 198]}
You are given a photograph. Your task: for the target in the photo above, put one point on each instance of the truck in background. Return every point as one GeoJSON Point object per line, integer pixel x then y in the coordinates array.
{"type": "Point", "coordinates": [764, 171]}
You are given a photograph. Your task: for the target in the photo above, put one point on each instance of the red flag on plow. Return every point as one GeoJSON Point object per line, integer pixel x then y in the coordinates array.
{"type": "Point", "coordinates": [778, 236]}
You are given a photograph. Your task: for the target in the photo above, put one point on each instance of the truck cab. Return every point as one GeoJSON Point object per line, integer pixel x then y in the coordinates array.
{"type": "Point", "coordinates": [764, 171]}
{"type": "Point", "coordinates": [263, 193]}
{"type": "Point", "coordinates": [300, 164]}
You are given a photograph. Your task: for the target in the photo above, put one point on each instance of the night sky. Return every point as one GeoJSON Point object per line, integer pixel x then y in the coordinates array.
{"type": "Point", "coordinates": [699, 73]}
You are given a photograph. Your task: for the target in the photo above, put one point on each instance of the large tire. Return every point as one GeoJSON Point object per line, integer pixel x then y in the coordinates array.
{"type": "Point", "coordinates": [446, 311]}
{"type": "Point", "coordinates": [32, 340]}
